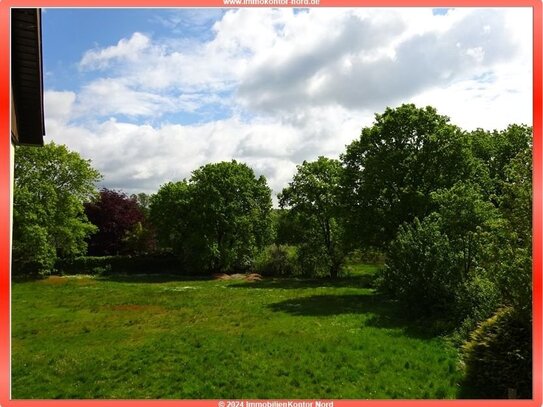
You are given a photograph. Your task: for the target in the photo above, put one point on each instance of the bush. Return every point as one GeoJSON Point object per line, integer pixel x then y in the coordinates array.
{"type": "Point", "coordinates": [312, 262]}
{"type": "Point", "coordinates": [34, 255]}
{"type": "Point", "coordinates": [476, 300]}
{"type": "Point", "coordinates": [277, 260]}
{"type": "Point", "coordinates": [164, 263]}
{"type": "Point", "coordinates": [366, 255]}
{"type": "Point", "coordinates": [498, 358]}
{"type": "Point", "coordinates": [421, 269]}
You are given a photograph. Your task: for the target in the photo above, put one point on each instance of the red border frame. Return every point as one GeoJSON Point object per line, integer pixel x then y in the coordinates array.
{"type": "Point", "coordinates": [5, 206]}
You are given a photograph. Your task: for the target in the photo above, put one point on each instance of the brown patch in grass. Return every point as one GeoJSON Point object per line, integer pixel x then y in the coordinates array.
{"type": "Point", "coordinates": [246, 277]}
{"type": "Point", "coordinates": [61, 280]}
{"type": "Point", "coordinates": [55, 280]}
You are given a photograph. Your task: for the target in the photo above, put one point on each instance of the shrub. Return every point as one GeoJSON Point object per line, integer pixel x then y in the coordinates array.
{"type": "Point", "coordinates": [498, 358]}
{"type": "Point", "coordinates": [312, 262]}
{"type": "Point", "coordinates": [277, 260]}
{"type": "Point", "coordinates": [476, 300]}
{"type": "Point", "coordinates": [421, 269]}
{"type": "Point", "coordinates": [366, 255]}
{"type": "Point", "coordinates": [42, 257]}
{"type": "Point", "coordinates": [143, 264]}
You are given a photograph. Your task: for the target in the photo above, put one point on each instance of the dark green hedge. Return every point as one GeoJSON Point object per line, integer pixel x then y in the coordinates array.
{"type": "Point", "coordinates": [498, 358]}
{"type": "Point", "coordinates": [141, 264]}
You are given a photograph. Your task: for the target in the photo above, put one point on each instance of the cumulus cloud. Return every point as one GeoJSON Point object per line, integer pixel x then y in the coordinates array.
{"type": "Point", "coordinates": [274, 87]}
{"type": "Point", "coordinates": [125, 50]}
{"type": "Point", "coordinates": [347, 69]}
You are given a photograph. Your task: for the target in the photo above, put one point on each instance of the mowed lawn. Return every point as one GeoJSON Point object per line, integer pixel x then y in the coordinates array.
{"type": "Point", "coordinates": [161, 337]}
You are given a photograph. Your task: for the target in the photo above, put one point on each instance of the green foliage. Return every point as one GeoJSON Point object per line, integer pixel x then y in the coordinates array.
{"type": "Point", "coordinates": [51, 185]}
{"type": "Point", "coordinates": [140, 239]}
{"type": "Point", "coordinates": [391, 170]}
{"type": "Point", "coordinates": [498, 358]}
{"type": "Point", "coordinates": [422, 270]}
{"type": "Point", "coordinates": [170, 214]}
{"type": "Point", "coordinates": [313, 198]}
{"type": "Point", "coordinates": [440, 264]}
{"type": "Point", "coordinates": [508, 248]}
{"type": "Point", "coordinates": [277, 260]}
{"type": "Point", "coordinates": [217, 221]}
{"type": "Point", "coordinates": [157, 263]}
{"type": "Point", "coordinates": [475, 300]}
{"type": "Point", "coordinates": [288, 227]}
{"type": "Point", "coordinates": [465, 215]}
{"type": "Point", "coordinates": [369, 255]}
{"type": "Point", "coordinates": [495, 149]}
{"type": "Point", "coordinates": [144, 202]}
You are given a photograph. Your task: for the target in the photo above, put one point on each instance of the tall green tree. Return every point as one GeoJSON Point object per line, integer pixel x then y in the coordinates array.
{"type": "Point", "coordinates": [218, 220]}
{"type": "Point", "coordinates": [392, 169]}
{"type": "Point", "coordinates": [51, 186]}
{"type": "Point", "coordinates": [313, 198]}
{"type": "Point", "coordinates": [143, 200]}
{"type": "Point", "coordinates": [509, 246]}
{"type": "Point", "coordinates": [170, 214]}
{"type": "Point", "coordinates": [437, 265]}
{"type": "Point", "coordinates": [495, 149]}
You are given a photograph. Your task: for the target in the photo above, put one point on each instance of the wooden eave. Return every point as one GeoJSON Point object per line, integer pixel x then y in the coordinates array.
{"type": "Point", "coordinates": [27, 77]}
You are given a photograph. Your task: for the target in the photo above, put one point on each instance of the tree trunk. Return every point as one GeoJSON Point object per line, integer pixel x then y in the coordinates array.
{"type": "Point", "coordinates": [334, 271]}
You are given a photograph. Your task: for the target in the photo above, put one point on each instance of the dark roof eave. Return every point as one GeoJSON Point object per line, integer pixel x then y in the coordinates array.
{"type": "Point", "coordinates": [27, 75]}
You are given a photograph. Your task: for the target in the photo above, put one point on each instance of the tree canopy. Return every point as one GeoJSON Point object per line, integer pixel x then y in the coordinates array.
{"type": "Point", "coordinates": [218, 220]}
{"type": "Point", "coordinates": [393, 167]}
{"type": "Point", "coordinates": [313, 199]}
{"type": "Point", "coordinates": [51, 186]}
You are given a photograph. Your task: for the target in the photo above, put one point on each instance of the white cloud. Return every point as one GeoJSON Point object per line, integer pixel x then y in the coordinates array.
{"type": "Point", "coordinates": [290, 86]}
{"type": "Point", "coordinates": [377, 73]}
{"type": "Point", "coordinates": [126, 49]}
{"type": "Point", "coordinates": [107, 96]}
{"type": "Point", "coordinates": [58, 105]}
{"type": "Point", "coordinates": [142, 157]}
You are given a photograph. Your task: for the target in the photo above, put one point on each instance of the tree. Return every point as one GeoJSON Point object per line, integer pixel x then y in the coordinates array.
{"type": "Point", "coordinates": [437, 265]}
{"type": "Point", "coordinates": [115, 215]}
{"type": "Point", "coordinates": [144, 201]}
{"type": "Point", "coordinates": [288, 227]}
{"type": "Point", "coordinates": [142, 238]}
{"type": "Point", "coordinates": [218, 220]}
{"type": "Point", "coordinates": [312, 196]}
{"type": "Point", "coordinates": [495, 149]}
{"type": "Point", "coordinates": [391, 170]}
{"type": "Point", "coordinates": [169, 212]}
{"type": "Point", "coordinates": [422, 270]}
{"type": "Point", "coordinates": [50, 188]}
{"type": "Point", "coordinates": [465, 215]}
{"type": "Point", "coordinates": [509, 246]}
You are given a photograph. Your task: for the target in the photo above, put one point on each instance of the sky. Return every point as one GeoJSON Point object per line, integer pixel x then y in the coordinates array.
{"type": "Point", "coordinates": [150, 95]}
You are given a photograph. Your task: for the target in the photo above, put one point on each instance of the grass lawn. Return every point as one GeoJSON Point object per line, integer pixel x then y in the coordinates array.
{"type": "Point", "coordinates": [160, 337]}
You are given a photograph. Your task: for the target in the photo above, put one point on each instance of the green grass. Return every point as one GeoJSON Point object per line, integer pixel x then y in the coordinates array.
{"type": "Point", "coordinates": [155, 337]}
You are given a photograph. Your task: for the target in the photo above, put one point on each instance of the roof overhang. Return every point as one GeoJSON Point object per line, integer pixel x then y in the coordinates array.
{"type": "Point", "coordinates": [28, 126]}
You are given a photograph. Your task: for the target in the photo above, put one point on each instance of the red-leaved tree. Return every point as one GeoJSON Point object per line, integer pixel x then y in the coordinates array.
{"type": "Point", "coordinates": [117, 217]}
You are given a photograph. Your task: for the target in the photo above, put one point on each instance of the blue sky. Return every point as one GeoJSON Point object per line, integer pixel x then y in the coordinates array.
{"type": "Point", "coordinates": [149, 95]}
{"type": "Point", "coordinates": [69, 33]}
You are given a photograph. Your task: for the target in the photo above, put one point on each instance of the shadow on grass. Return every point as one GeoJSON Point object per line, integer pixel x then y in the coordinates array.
{"type": "Point", "coordinates": [381, 312]}
{"type": "Point", "coordinates": [150, 278]}
{"type": "Point", "coordinates": [27, 278]}
{"type": "Point", "coordinates": [362, 281]}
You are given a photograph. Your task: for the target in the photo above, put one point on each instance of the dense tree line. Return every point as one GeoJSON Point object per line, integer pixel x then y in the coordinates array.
{"type": "Point", "coordinates": [449, 209]}
{"type": "Point", "coordinates": [218, 220]}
